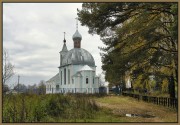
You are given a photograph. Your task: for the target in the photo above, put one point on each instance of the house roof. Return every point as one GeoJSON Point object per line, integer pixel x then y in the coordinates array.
{"type": "Point", "coordinates": [55, 78]}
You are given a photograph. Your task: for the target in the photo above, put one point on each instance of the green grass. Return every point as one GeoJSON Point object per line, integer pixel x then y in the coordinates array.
{"type": "Point", "coordinates": [120, 105]}
{"type": "Point", "coordinates": [104, 115]}
{"type": "Point", "coordinates": [80, 108]}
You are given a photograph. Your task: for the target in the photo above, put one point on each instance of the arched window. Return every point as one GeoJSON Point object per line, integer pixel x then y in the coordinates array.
{"type": "Point", "coordinates": [57, 87]}
{"type": "Point", "coordinates": [86, 80]}
{"type": "Point", "coordinates": [61, 60]}
{"type": "Point", "coordinates": [61, 77]}
{"type": "Point", "coordinates": [65, 76]}
{"type": "Point", "coordinates": [68, 76]}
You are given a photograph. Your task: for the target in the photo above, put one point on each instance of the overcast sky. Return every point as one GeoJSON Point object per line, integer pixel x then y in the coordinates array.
{"type": "Point", "coordinates": [33, 37]}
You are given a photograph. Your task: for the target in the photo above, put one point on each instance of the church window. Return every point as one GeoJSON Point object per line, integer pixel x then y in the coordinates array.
{"type": "Point", "coordinates": [50, 87]}
{"type": "Point", "coordinates": [65, 76]}
{"type": "Point", "coordinates": [57, 87]}
{"type": "Point", "coordinates": [86, 80]}
{"type": "Point", "coordinates": [61, 59]}
{"type": "Point", "coordinates": [93, 80]}
{"type": "Point", "coordinates": [68, 76]}
{"type": "Point", "coordinates": [61, 77]}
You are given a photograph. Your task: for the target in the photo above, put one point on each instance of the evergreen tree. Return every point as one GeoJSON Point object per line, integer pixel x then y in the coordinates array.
{"type": "Point", "coordinates": [140, 38]}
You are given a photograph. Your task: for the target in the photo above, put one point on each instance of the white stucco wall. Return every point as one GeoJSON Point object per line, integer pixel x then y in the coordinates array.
{"type": "Point", "coordinates": [79, 80]}
{"type": "Point", "coordinates": [50, 87]}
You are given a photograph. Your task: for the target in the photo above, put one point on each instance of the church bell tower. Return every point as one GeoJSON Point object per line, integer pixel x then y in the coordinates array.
{"type": "Point", "coordinates": [63, 51]}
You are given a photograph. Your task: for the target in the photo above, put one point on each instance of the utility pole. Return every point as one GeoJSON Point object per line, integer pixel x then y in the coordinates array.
{"type": "Point", "coordinates": [18, 83]}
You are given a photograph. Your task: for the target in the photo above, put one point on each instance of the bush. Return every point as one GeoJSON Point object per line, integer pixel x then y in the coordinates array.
{"type": "Point", "coordinates": [48, 108]}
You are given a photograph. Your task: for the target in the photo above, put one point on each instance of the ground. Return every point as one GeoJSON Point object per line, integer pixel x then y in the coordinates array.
{"type": "Point", "coordinates": [119, 106]}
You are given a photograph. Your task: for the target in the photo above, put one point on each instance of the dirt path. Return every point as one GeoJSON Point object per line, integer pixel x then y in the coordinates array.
{"type": "Point", "coordinates": [147, 112]}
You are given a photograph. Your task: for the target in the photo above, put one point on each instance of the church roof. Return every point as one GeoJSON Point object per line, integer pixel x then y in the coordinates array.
{"type": "Point", "coordinates": [77, 35]}
{"type": "Point", "coordinates": [86, 67]}
{"type": "Point", "coordinates": [64, 49]}
{"type": "Point", "coordinates": [55, 78]}
{"type": "Point", "coordinates": [78, 56]}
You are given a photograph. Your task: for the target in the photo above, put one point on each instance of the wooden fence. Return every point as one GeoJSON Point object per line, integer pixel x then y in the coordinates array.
{"type": "Point", "coordinates": [164, 101]}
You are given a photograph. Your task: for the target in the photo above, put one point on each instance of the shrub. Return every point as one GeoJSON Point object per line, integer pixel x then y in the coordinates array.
{"type": "Point", "coordinates": [48, 108]}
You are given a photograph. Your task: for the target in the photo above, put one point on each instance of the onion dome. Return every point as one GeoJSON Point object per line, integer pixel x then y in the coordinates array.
{"type": "Point", "coordinates": [78, 56]}
{"type": "Point", "coordinates": [77, 36]}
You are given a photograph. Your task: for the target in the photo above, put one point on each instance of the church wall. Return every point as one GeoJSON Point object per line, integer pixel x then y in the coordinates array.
{"type": "Point", "coordinates": [50, 87]}
{"type": "Point", "coordinates": [76, 68]}
{"type": "Point", "coordinates": [60, 76]}
{"type": "Point", "coordinates": [64, 70]}
{"type": "Point", "coordinates": [61, 73]}
{"type": "Point", "coordinates": [89, 85]}
{"type": "Point", "coordinates": [79, 81]}
{"type": "Point", "coordinates": [73, 70]}
{"type": "Point", "coordinates": [62, 54]}
{"type": "Point", "coordinates": [93, 77]}
{"type": "Point", "coordinates": [83, 79]}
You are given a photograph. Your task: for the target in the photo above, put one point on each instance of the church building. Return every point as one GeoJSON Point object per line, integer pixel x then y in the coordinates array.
{"type": "Point", "coordinates": [77, 70]}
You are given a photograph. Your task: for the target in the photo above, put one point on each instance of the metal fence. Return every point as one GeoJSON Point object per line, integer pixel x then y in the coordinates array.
{"type": "Point", "coordinates": [164, 101]}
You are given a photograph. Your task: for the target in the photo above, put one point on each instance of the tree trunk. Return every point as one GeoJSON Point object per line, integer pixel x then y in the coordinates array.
{"type": "Point", "coordinates": [172, 87]}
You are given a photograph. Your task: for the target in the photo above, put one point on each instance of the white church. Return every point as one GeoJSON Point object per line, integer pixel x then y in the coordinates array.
{"type": "Point", "coordinates": [77, 71]}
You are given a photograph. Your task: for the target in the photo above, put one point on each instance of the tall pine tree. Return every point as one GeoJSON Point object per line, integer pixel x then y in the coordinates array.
{"type": "Point", "coordinates": [140, 38]}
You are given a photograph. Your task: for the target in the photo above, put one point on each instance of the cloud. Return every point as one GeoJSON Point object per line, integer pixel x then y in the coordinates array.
{"type": "Point", "coordinates": [33, 36]}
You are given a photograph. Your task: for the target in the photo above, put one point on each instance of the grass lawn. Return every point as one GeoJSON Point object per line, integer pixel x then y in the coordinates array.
{"type": "Point", "coordinates": [116, 107]}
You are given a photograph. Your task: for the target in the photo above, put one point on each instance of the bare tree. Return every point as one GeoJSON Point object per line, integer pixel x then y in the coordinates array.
{"type": "Point", "coordinates": [5, 88]}
{"type": "Point", "coordinates": [42, 87]}
{"type": "Point", "coordinates": [20, 88]}
{"type": "Point", "coordinates": [32, 89]}
{"type": "Point", "coordinates": [8, 68]}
